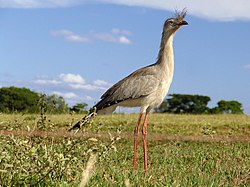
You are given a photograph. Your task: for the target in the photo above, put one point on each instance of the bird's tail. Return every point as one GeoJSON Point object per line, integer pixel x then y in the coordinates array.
{"type": "Point", "coordinates": [83, 121]}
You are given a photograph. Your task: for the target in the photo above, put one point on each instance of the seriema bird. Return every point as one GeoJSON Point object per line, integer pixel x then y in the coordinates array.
{"type": "Point", "coordinates": [144, 88]}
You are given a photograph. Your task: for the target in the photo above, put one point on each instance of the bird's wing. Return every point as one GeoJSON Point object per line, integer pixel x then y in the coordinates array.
{"type": "Point", "coordinates": [136, 87]}
{"type": "Point", "coordinates": [138, 84]}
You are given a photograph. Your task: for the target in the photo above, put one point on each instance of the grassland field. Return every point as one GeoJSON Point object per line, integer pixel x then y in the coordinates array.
{"type": "Point", "coordinates": [183, 150]}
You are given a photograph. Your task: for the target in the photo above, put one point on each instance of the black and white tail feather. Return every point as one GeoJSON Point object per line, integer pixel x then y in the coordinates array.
{"type": "Point", "coordinates": [84, 120]}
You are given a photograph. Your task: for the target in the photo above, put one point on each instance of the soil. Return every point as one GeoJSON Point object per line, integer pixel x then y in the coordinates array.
{"type": "Point", "coordinates": [102, 135]}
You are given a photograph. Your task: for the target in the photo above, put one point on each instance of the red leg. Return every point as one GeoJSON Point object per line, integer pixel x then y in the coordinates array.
{"type": "Point", "coordinates": [144, 136]}
{"type": "Point", "coordinates": [136, 131]}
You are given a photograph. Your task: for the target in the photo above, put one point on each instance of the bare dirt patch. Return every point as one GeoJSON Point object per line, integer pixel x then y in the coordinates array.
{"type": "Point", "coordinates": [102, 135]}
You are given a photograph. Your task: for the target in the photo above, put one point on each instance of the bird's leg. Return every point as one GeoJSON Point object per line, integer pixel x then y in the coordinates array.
{"type": "Point", "coordinates": [136, 132]}
{"type": "Point", "coordinates": [144, 136]}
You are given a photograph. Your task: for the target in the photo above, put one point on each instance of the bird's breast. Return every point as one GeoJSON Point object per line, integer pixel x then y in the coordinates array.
{"type": "Point", "coordinates": [156, 98]}
{"type": "Point", "coordinates": [164, 87]}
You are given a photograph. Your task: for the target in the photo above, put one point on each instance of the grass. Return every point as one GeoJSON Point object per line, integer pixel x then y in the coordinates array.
{"type": "Point", "coordinates": [215, 152]}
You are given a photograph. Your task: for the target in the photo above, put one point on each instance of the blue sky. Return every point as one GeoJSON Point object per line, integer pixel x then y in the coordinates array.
{"type": "Point", "coordinates": [78, 48]}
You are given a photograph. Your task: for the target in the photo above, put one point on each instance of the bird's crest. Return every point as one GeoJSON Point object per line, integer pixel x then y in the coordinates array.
{"type": "Point", "coordinates": [180, 15]}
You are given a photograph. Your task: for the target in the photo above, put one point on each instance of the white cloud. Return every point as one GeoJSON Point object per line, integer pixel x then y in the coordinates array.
{"type": "Point", "coordinates": [247, 66]}
{"type": "Point", "coordinates": [222, 10]}
{"type": "Point", "coordinates": [67, 95]}
{"type": "Point", "coordinates": [70, 36]}
{"type": "Point", "coordinates": [72, 81]}
{"type": "Point", "coordinates": [108, 37]}
{"type": "Point", "coordinates": [72, 87]}
{"type": "Point", "coordinates": [101, 83]}
{"type": "Point", "coordinates": [19, 4]}
{"type": "Point", "coordinates": [122, 32]}
{"type": "Point", "coordinates": [72, 98]}
{"type": "Point", "coordinates": [85, 87]}
{"type": "Point", "coordinates": [88, 98]}
{"type": "Point", "coordinates": [89, 87]}
{"type": "Point", "coordinates": [115, 36]}
{"type": "Point", "coordinates": [72, 78]}
{"type": "Point", "coordinates": [39, 3]}
{"type": "Point", "coordinates": [46, 81]}
{"type": "Point", "coordinates": [124, 40]}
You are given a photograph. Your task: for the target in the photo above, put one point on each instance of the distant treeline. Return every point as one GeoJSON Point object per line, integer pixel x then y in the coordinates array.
{"type": "Point", "coordinates": [197, 104]}
{"type": "Point", "coordinates": [14, 99]}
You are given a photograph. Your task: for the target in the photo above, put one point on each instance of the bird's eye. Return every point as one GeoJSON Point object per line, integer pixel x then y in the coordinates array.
{"type": "Point", "coordinates": [171, 23]}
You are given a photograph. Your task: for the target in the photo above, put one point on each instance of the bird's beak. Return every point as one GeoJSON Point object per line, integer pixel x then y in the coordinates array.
{"type": "Point", "coordinates": [183, 22]}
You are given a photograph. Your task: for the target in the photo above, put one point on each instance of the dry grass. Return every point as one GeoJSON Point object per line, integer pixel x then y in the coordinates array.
{"type": "Point", "coordinates": [88, 171]}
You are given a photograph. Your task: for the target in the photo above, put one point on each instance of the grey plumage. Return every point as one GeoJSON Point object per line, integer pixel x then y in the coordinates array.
{"type": "Point", "coordinates": [137, 85]}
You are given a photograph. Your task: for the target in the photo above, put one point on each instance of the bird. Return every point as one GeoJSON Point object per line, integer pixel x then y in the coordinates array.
{"type": "Point", "coordinates": [145, 88]}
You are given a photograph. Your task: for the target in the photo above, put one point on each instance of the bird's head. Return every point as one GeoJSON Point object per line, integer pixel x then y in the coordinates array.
{"type": "Point", "coordinates": [173, 24]}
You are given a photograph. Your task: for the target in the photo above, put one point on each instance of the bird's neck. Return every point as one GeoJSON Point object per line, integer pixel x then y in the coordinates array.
{"type": "Point", "coordinates": [166, 54]}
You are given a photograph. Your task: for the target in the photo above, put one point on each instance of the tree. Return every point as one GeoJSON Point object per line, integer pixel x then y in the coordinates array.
{"type": "Point", "coordinates": [79, 108]}
{"type": "Point", "coordinates": [24, 100]}
{"type": "Point", "coordinates": [184, 103]}
{"type": "Point", "coordinates": [56, 104]}
{"type": "Point", "coordinates": [228, 107]}
{"type": "Point", "coordinates": [18, 99]}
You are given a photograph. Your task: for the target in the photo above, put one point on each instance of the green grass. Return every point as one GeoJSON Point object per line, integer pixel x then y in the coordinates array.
{"type": "Point", "coordinates": [27, 160]}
